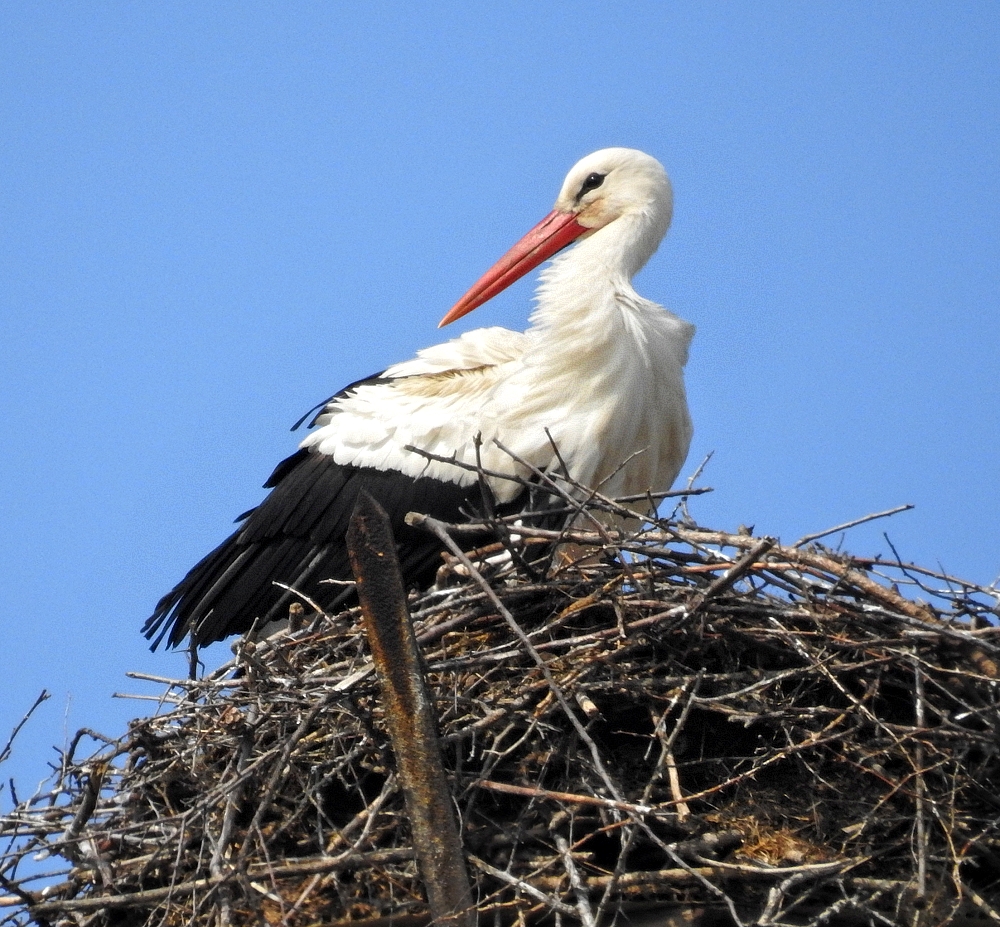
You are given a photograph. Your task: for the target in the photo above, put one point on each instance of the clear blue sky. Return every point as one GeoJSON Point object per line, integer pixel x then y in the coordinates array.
{"type": "Point", "coordinates": [214, 215]}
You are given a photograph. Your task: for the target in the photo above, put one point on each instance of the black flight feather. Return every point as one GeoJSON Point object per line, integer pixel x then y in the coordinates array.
{"type": "Point", "coordinates": [296, 537]}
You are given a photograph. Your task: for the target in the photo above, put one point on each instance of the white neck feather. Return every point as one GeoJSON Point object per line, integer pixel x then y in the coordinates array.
{"type": "Point", "coordinates": [585, 294]}
{"type": "Point", "coordinates": [614, 360]}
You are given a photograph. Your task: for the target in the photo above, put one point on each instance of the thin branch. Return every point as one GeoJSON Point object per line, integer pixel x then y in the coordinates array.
{"type": "Point", "coordinates": [809, 538]}
{"type": "Point", "coordinates": [5, 752]}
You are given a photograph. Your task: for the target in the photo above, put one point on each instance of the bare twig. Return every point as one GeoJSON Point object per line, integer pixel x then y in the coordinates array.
{"type": "Point", "coordinates": [809, 538]}
{"type": "Point", "coordinates": [575, 880]}
{"type": "Point", "coordinates": [5, 752]}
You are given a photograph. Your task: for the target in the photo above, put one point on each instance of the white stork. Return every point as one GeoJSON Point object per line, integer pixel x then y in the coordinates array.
{"type": "Point", "coordinates": [600, 369]}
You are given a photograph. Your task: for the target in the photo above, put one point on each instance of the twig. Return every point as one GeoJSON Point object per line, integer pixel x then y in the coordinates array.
{"type": "Point", "coordinates": [233, 801]}
{"type": "Point", "coordinates": [809, 538]}
{"type": "Point", "coordinates": [574, 798]}
{"type": "Point", "coordinates": [315, 606]}
{"type": "Point", "coordinates": [5, 752]}
{"type": "Point", "coordinates": [918, 761]}
{"type": "Point", "coordinates": [579, 890]}
{"type": "Point", "coordinates": [733, 575]}
{"type": "Point", "coordinates": [529, 888]}
{"type": "Point", "coordinates": [681, 510]}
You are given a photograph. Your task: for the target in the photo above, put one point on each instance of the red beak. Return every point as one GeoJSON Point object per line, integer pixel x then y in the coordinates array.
{"type": "Point", "coordinates": [552, 234]}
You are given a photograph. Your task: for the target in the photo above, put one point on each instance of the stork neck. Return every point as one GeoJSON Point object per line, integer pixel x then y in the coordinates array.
{"type": "Point", "coordinates": [623, 247]}
{"type": "Point", "coordinates": [595, 273]}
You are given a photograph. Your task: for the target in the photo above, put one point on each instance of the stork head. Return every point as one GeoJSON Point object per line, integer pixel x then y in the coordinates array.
{"type": "Point", "coordinates": [613, 183]}
{"type": "Point", "coordinates": [609, 185]}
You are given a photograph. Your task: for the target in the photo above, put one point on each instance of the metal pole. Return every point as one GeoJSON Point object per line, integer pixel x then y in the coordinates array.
{"type": "Point", "coordinates": [409, 715]}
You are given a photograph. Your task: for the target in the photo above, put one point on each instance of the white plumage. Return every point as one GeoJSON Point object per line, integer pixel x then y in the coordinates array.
{"type": "Point", "coordinates": [600, 369]}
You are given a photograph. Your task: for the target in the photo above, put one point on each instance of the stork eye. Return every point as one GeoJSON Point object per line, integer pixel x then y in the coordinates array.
{"type": "Point", "coordinates": [592, 182]}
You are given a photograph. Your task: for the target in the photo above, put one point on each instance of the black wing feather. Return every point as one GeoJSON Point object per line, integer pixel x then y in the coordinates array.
{"type": "Point", "coordinates": [296, 537]}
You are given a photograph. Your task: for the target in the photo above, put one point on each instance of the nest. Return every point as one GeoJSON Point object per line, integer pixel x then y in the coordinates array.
{"type": "Point", "coordinates": [680, 726]}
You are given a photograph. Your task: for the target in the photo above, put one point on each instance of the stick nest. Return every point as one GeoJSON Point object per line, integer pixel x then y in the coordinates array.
{"type": "Point", "coordinates": [761, 734]}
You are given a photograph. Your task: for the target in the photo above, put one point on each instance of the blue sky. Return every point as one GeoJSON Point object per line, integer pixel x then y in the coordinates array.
{"type": "Point", "coordinates": [214, 215]}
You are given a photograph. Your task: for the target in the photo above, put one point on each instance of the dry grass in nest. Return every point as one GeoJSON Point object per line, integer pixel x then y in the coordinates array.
{"type": "Point", "coordinates": [761, 734]}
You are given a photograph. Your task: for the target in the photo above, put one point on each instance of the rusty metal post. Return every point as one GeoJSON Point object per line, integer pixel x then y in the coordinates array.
{"type": "Point", "coordinates": [409, 715]}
